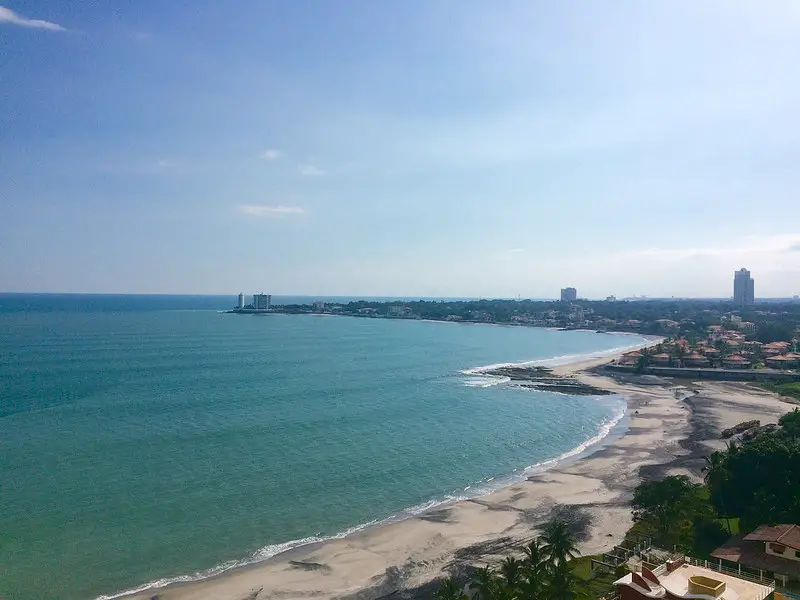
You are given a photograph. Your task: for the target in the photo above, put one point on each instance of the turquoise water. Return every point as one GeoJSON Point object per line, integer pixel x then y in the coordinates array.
{"type": "Point", "coordinates": [137, 446]}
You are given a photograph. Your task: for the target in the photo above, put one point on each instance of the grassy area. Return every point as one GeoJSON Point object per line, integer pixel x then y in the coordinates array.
{"type": "Point", "coordinates": [789, 388]}
{"type": "Point", "coordinates": [592, 584]}
{"type": "Point", "coordinates": [734, 524]}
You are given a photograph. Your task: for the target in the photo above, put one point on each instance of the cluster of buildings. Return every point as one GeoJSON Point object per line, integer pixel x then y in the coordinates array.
{"type": "Point", "coordinates": [261, 302]}
{"type": "Point", "coordinates": [722, 348]}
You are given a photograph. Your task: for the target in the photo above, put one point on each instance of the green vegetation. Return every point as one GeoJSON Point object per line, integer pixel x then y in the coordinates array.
{"type": "Point", "coordinates": [788, 388]}
{"type": "Point", "coordinates": [666, 503]}
{"type": "Point", "coordinates": [544, 573]}
{"type": "Point", "coordinates": [759, 481]}
{"type": "Point", "coordinates": [746, 485]}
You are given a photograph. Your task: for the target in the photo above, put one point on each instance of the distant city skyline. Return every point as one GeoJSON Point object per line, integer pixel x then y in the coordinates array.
{"type": "Point", "coordinates": [422, 148]}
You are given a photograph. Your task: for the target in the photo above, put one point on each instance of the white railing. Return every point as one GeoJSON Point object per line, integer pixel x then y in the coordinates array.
{"type": "Point", "coordinates": [715, 566]}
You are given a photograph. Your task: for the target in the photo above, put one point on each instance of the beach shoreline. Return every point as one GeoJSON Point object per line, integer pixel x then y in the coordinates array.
{"type": "Point", "coordinates": [405, 556]}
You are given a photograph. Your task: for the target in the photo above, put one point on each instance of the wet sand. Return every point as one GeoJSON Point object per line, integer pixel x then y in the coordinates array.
{"type": "Point", "coordinates": [671, 426]}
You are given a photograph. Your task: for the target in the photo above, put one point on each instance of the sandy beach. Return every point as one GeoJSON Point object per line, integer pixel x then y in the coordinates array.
{"type": "Point", "coordinates": [671, 426]}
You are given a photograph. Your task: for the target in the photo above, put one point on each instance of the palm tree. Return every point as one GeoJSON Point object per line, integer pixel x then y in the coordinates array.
{"type": "Point", "coordinates": [561, 584]}
{"type": "Point", "coordinates": [534, 570]}
{"type": "Point", "coordinates": [559, 543]}
{"type": "Point", "coordinates": [450, 590]}
{"type": "Point", "coordinates": [512, 570]}
{"type": "Point", "coordinates": [485, 584]}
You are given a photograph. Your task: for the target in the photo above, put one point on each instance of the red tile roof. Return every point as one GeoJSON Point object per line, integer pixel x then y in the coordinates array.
{"type": "Point", "coordinates": [735, 358]}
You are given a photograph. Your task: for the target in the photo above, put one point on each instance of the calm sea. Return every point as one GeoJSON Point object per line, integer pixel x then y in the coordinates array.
{"type": "Point", "coordinates": [144, 439]}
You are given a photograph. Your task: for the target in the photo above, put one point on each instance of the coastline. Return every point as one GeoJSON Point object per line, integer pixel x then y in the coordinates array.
{"type": "Point", "coordinates": [406, 555]}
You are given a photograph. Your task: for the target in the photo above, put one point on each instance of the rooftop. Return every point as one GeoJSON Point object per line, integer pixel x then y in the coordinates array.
{"type": "Point", "coordinates": [677, 584]}
{"type": "Point", "coordinates": [751, 554]}
{"type": "Point", "coordinates": [788, 535]}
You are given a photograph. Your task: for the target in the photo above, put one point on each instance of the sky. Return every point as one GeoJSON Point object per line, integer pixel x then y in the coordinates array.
{"type": "Point", "coordinates": [420, 148]}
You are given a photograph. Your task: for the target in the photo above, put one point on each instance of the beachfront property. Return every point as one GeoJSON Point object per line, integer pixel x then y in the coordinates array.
{"type": "Point", "coordinates": [722, 351]}
{"type": "Point", "coordinates": [685, 578]}
{"type": "Point", "coordinates": [736, 361]}
{"type": "Point", "coordinates": [261, 303]}
{"type": "Point", "coordinates": [773, 549]}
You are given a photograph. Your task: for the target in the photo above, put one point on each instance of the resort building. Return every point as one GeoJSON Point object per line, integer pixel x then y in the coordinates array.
{"type": "Point", "coordinates": [782, 361]}
{"type": "Point", "coordinates": [685, 579]}
{"type": "Point", "coordinates": [630, 359]}
{"type": "Point", "coordinates": [775, 348]}
{"type": "Point", "coordinates": [262, 301]}
{"type": "Point", "coordinates": [696, 360]}
{"type": "Point", "coordinates": [736, 361]}
{"type": "Point", "coordinates": [769, 549]}
{"type": "Point", "coordinates": [569, 294]}
{"type": "Point", "coordinates": [661, 360]}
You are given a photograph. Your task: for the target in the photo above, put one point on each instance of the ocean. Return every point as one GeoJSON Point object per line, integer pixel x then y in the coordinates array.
{"type": "Point", "coordinates": [145, 440]}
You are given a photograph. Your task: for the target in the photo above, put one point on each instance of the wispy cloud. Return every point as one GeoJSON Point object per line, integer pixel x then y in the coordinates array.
{"type": "Point", "coordinates": [257, 210]}
{"type": "Point", "coordinates": [9, 16]}
{"type": "Point", "coordinates": [271, 154]}
{"type": "Point", "coordinates": [740, 248]}
{"type": "Point", "coordinates": [142, 36]}
{"type": "Point", "coordinates": [309, 171]}
{"type": "Point", "coordinates": [794, 248]}
{"type": "Point", "coordinates": [165, 164]}
{"type": "Point", "coordinates": [516, 250]}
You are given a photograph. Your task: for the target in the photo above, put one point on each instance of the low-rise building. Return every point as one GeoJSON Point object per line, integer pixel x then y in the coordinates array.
{"type": "Point", "coordinates": [736, 361]}
{"type": "Point", "coordinates": [696, 360]}
{"type": "Point", "coordinates": [782, 361]}
{"type": "Point", "coordinates": [630, 359]}
{"type": "Point", "coordinates": [775, 348]}
{"type": "Point", "coordinates": [661, 360]}
{"type": "Point", "coordinates": [773, 549]}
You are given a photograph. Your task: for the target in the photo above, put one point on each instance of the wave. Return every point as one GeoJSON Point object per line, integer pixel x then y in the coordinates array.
{"type": "Point", "coordinates": [473, 490]}
{"type": "Point", "coordinates": [485, 382]}
{"type": "Point", "coordinates": [564, 359]}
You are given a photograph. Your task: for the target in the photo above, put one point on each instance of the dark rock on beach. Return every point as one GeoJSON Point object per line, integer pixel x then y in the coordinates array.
{"type": "Point", "coordinates": [542, 378]}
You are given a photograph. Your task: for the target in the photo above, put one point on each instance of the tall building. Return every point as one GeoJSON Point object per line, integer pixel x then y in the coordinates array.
{"type": "Point", "coordinates": [241, 300]}
{"type": "Point", "coordinates": [262, 301]}
{"type": "Point", "coordinates": [743, 288]}
{"type": "Point", "coordinates": [569, 294]}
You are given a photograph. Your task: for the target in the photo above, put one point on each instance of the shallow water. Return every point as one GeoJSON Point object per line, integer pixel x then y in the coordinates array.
{"type": "Point", "coordinates": [137, 446]}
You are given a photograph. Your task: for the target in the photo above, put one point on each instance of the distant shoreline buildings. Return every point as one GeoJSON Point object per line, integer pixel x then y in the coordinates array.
{"type": "Point", "coordinates": [261, 303]}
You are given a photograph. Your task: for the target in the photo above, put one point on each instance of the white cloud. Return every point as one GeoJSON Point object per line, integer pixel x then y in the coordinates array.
{"type": "Point", "coordinates": [9, 16]}
{"type": "Point", "coordinates": [750, 247]}
{"type": "Point", "coordinates": [164, 164]}
{"type": "Point", "coordinates": [309, 171]}
{"type": "Point", "coordinates": [142, 35]}
{"type": "Point", "coordinates": [271, 154]}
{"type": "Point", "coordinates": [256, 210]}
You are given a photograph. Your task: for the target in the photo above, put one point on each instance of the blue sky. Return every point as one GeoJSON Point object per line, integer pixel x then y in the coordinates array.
{"type": "Point", "coordinates": [433, 148]}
